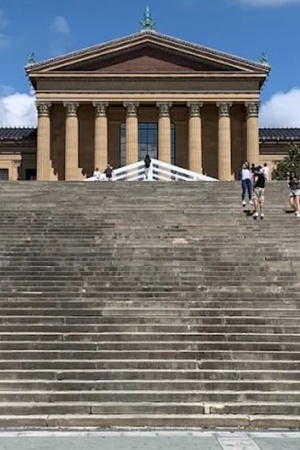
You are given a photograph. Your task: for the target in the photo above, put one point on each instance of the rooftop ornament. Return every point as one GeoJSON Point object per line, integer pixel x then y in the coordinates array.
{"type": "Point", "coordinates": [31, 59]}
{"type": "Point", "coordinates": [264, 59]}
{"type": "Point", "coordinates": [147, 21]}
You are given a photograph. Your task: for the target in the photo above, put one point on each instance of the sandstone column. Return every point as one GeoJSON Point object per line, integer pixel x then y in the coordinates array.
{"type": "Point", "coordinates": [71, 145]}
{"type": "Point", "coordinates": [132, 138]}
{"type": "Point", "coordinates": [224, 150]}
{"type": "Point", "coordinates": [43, 142]}
{"type": "Point", "coordinates": [164, 132]}
{"type": "Point", "coordinates": [252, 133]}
{"type": "Point", "coordinates": [195, 137]}
{"type": "Point", "coordinates": [101, 136]}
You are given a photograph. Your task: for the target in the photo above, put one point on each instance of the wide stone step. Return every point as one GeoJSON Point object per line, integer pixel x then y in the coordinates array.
{"type": "Point", "coordinates": [151, 312]}
{"type": "Point", "coordinates": [150, 374]}
{"type": "Point", "coordinates": [102, 364]}
{"type": "Point", "coordinates": [45, 331]}
{"type": "Point", "coordinates": [157, 396]}
{"type": "Point", "coordinates": [116, 408]}
{"type": "Point", "coordinates": [192, 354]}
{"type": "Point", "coordinates": [149, 385]}
{"type": "Point", "coordinates": [95, 321]}
{"type": "Point", "coordinates": [150, 346]}
{"type": "Point", "coordinates": [136, 337]}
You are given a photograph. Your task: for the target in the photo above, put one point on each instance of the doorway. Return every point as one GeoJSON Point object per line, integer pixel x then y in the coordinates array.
{"type": "Point", "coordinates": [30, 174]}
{"type": "Point", "coordinates": [147, 141]}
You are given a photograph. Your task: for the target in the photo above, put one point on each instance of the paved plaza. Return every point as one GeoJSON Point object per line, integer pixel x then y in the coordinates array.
{"type": "Point", "coordinates": [151, 440]}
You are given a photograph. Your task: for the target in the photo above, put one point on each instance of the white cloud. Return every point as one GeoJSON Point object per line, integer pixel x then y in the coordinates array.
{"type": "Point", "coordinates": [282, 110]}
{"type": "Point", "coordinates": [270, 2]}
{"type": "Point", "coordinates": [17, 109]}
{"type": "Point", "coordinates": [60, 26]}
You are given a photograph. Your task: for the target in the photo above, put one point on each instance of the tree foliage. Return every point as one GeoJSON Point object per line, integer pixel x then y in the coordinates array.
{"type": "Point", "coordinates": [290, 163]}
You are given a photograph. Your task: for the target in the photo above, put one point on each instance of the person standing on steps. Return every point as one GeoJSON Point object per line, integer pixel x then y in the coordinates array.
{"type": "Point", "coordinates": [97, 174]}
{"type": "Point", "coordinates": [246, 179]}
{"type": "Point", "coordinates": [259, 183]}
{"type": "Point", "coordinates": [294, 186]}
{"type": "Point", "coordinates": [108, 172]}
{"type": "Point", "coordinates": [147, 162]}
{"type": "Point", "coordinates": [266, 172]}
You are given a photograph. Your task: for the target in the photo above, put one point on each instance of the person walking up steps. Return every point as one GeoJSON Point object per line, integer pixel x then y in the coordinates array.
{"type": "Point", "coordinates": [259, 182]}
{"type": "Point", "coordinates": [294, 186]}
{"type": "Point", "coordinates": [246, 179]}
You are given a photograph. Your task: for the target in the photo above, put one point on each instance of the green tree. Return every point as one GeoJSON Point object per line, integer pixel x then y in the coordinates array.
{"type": "Point", "coordinates": [290, 163]}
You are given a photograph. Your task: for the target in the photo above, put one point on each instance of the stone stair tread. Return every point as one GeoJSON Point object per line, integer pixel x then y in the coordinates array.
{"type": "Point", "coordinates": [156, 420]}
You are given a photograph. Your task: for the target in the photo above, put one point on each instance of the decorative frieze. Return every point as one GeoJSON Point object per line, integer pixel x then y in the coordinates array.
{"type": "Point", "coordinates": [43, 109]}
{"type": "Point", "coordinates": [224, 109]}
{"type": "Point", "coordinates": [252, 109]}
{"type": "Point", "coordinates": [164, 109]}
{"type": "Point", "coordinates": [132, 108]}
{"type": "Point", "coordinates": [100, 109]}
{"type": "Point", "coordinates": [71, 109]}
{"type": "Point", "coordinates": [195, 109]}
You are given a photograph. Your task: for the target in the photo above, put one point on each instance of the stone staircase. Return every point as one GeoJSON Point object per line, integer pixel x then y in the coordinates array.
{"type": "Point", "coordinates": [147, 305]}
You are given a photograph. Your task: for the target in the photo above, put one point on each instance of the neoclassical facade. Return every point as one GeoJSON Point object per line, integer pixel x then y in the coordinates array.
{"type": "Point", "coordinates": [182, 103]}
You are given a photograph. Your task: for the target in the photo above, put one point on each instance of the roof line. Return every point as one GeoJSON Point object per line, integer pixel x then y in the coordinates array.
{"type": "Point", "coordinates": [86, 50]}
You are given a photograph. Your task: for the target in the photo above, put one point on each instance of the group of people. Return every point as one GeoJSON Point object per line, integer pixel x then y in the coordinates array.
{"type": "Point", "coordinates": [254, 180]}
{"type": "Point", "coordinates": [253, 183]}
{"type": "Point", "coordinates": [107, 175]}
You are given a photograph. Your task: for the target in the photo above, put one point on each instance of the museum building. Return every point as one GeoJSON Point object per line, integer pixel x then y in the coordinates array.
{"type": "Point", "coordinates": [182, 103]}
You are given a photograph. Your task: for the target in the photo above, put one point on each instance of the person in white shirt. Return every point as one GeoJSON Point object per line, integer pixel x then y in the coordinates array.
{"type": "Point", "coordinates": [266, 172]}
{"type": "Point", "coordinates": [246, 179]}
{"type": "Point", "coordinates": [97, 174]}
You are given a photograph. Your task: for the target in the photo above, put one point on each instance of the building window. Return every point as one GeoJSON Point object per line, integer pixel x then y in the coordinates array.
{"type": "Point", "coordinates": [147, 141]}
{"type": "Point", "coordinates": [4, 174]}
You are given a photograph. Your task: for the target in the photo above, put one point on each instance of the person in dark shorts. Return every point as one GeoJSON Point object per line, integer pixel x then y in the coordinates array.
{"type": "Point", "coordinates": [147, 162]}
{"type": "Point", "coordinates": [259, 183]}
{"type": "Point", "coordinates": [108, 172]}
{"type": "Point", "coordinates": [294, 187]}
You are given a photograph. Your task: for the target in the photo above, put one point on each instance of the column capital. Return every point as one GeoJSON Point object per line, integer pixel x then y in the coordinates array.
{"type": "Point", "coordinates": [164, 108]}
{"type": "Point", "coordinates": [100, 109]}
{"type": "Point", "coordinates": [195, 109]}
{"type": "Point", "coordinates": [71, 108]}
{"type": "Point", "coordinates": [132, 108]}
{"type": "Point", "coordinates": [252, 109]}
{"type": "Point", "coordinates": [43, 109]}
{"type": "Point", "coordinates": [224, 109]}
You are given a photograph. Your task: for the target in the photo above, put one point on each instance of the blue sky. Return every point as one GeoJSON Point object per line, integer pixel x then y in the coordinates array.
{"type": "Point", "coordinates": [242, 27]}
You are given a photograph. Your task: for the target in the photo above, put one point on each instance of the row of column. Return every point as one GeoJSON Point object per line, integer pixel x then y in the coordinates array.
{"type": "Point", "coordinates": [72, 171]}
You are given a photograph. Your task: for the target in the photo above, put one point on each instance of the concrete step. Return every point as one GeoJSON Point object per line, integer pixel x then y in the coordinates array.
{"type": "Point", "coordinates": [131, 374]}
{"type": "Point", "coordinates": [156, 396]}
{"type": "Point", "coordinates": [191, 354]}
{"type": "Point", "coordinates": [96, 321]}
{"type": "Point", "coordinates": [17, 338]}
{"type": "Point", "coordinates": [63, 331]}
{"type": "Point", "coordinates": [110, 408]}
{"type": "Point", "coordinates": [151, 346]}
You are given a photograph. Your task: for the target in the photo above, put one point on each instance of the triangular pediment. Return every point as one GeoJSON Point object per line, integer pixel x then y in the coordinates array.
{"type": "Point", "coordinates": [148, 52]}
{"type": "Point", "coordinates": [145, 58]}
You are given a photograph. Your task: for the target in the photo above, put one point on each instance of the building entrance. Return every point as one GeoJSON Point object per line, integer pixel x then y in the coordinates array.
{"type": "Point", "coordinates": [147, 141]}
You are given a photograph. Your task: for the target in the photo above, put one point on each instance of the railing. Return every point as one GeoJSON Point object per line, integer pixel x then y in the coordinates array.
{"type": "Point", "coordinates": [159, 171]}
